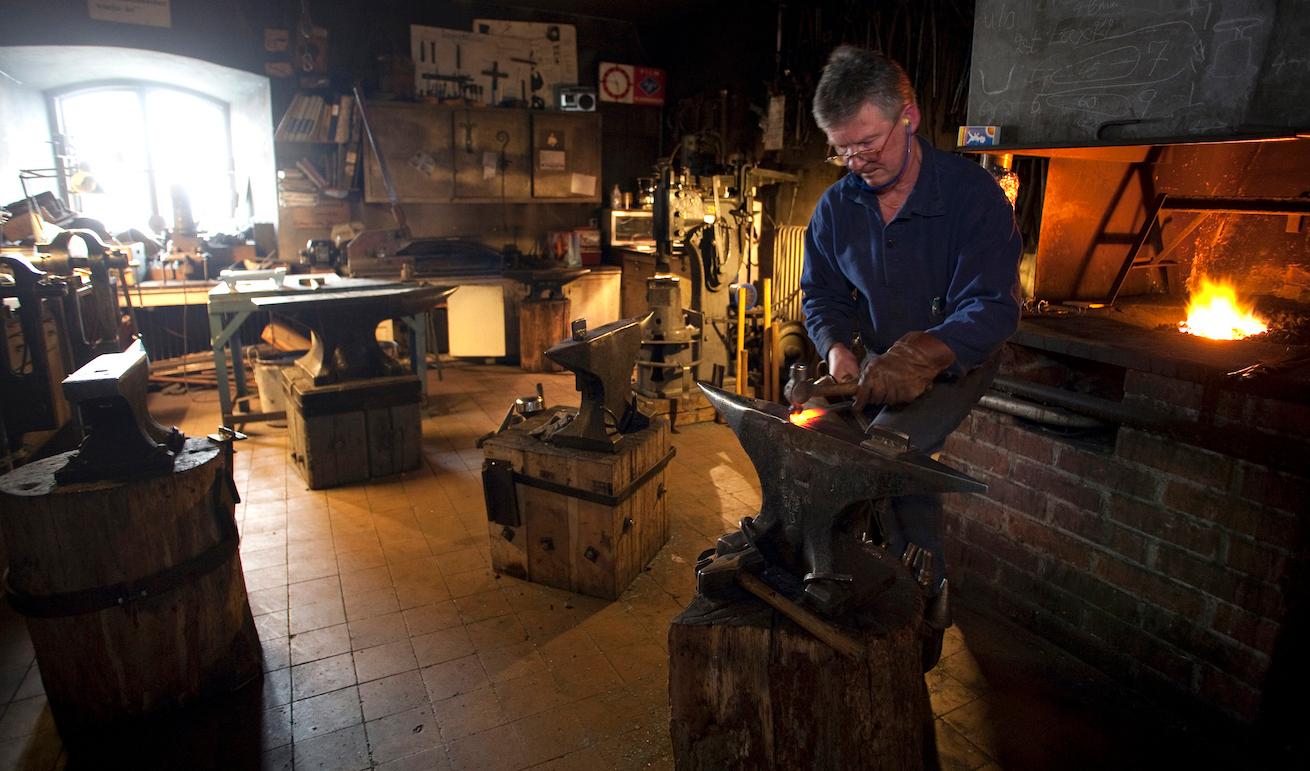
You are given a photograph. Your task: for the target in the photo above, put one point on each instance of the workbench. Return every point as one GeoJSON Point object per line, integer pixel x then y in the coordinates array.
{"type": "Point", "coordinates": [230, 304]}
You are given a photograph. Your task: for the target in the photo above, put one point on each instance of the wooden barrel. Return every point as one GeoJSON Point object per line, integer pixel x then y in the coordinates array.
{"type": "Point", "coordinates": [542, 323]}
{"type": "Point", "coordinates": [133, 590]}
{"type": "Point", "coordinates": [749, 688]}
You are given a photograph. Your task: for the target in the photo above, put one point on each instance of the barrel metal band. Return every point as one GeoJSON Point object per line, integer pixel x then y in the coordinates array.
{"type": "Point", "coordinates": [594, 497]}
{"type": "Point", "coordinates": [93, 600]}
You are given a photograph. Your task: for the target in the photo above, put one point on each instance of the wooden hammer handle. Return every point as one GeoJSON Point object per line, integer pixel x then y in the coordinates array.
{"type": "Point", "coordinates": [836, 639]}
{"type": "Point", "coordinates": [829, 390]}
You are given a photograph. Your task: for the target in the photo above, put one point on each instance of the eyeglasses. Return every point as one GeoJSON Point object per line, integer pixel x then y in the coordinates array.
{"type": "Point", "coordinates": [866, 156]}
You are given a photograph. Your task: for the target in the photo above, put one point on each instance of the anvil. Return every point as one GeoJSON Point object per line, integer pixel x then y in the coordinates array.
{"type": "Point", "coordinates": [344, 343]}
{"type": "Point", "coordinates": [602, 362]}
{"type": "Point", "coordinates": [809, 476]}
{"type": "Point", "coordinates": [122, 439]}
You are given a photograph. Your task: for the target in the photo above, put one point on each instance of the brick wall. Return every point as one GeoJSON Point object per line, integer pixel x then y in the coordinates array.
{"type": "Point", "coordinates": [1172, 565]}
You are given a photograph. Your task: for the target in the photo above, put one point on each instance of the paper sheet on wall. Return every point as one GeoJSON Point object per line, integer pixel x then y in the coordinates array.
{"type": "Point", "coordinates": [552, 49]}
{"type": "Point", "coordinates": [582, 184]}
{"type": "Point", "coordinates": [487, 69]}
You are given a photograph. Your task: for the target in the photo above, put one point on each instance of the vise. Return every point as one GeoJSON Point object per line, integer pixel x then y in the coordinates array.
{"type": "Point", "coordinates": [122, 439]}
{"type": "Point", "coordinates": [602, 361]}
{"type": "Point", "coordinates": [28, 403]}
{"type": "Point", "coordinates": [810, 479]}
{"type": "Point", "coordinates": [343, 327]}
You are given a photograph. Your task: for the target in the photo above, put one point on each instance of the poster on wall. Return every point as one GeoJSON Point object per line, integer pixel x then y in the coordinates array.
{"type": "Point", "coordinates": [552, 49]}
{"type": "Point", "coordinates": [631, 84]}
{"type": "Point", "coordinates": [150, 13]}
{"type": "Point", "coordinates": [452, 65]}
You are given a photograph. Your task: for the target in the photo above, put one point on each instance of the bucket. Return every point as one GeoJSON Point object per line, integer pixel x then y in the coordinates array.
{"type": "Point", "coordinates": [267, 366]}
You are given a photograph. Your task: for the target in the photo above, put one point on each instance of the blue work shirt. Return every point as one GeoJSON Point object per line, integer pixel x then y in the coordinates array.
{"type": "Point", "coordinates": [947, 264]}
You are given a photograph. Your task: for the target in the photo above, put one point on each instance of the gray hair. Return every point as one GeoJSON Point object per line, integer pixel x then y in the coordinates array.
{"type": "Point", "coordinates": [854, 77]}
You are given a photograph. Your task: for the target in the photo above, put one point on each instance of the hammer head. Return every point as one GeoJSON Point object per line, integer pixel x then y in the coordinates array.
{"type": "Point", "coordinates": [797, 388]}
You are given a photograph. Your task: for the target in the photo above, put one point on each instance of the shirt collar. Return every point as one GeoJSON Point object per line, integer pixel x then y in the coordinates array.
{"type": "Point", "coordinates": [925, 198]}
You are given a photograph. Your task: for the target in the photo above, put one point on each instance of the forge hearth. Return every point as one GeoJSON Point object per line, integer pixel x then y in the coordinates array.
{"type": "Point", "coordinates": [1168, 544]}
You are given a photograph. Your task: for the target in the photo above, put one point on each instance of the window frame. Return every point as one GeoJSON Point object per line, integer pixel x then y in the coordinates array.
{"type": "Point", "coordinates": [141, 88]}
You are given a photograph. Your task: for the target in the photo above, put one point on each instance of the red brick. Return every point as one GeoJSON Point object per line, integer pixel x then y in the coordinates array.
{"type": "Point", "coordinates": [1181, 393]}
{"type": "Point", "coordinates": [1091, 590]}
{"type": "Point", "coordinates": [1149, 586]}
{"type": "Point", "coordinates": [1108, 472]}
{"type": "Point", "coordinates": [1183, 460]}
{"type": "Point", "coordinates": [1260, 634]}
{"type": "Point", "coordinates": [1260, 598]}
{"type": "Point", "coordinates": [1045, 540]}
{"type": "Point", "coordinates": [1024, 500]}
{"type": "Point", "coordinates": [1029, 443]}
{"type": "Point", "coordinates": [1227, 511]}
{"type": "Point", "coordinates": [1202, 643]}
{"type": "Point", "coordinates": [1208, 575]}
{"type": "Point", "coordinates": [1269, 414]}
{"type": "Point", "coordinates": [1126, 543]}
{"type": "Point", "coordinates": [1270, 488]}
{"type": "Point", "coordinates": [976, 508]}
{"type": "Point", "coordinates": [1233, 696]}
{"type": "Point", "coordinates": [1053, 483]}
{"type": "Point", "coordinates": [1003, 548]}
{"type": "Point", "coordinates": [1257, 560]}
{"type": "Point", "coordinates": [1153, 519]}
{"type": "Point", "coordinates": [1082, 522]}
{"type": "Point", "coordinates": [978, 455]}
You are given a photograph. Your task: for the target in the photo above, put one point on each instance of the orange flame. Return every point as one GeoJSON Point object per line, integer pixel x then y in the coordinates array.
{"type": "Point", "coordinates": [806, 417]}
{"type": "Point", "coordinates": [1215, 312]}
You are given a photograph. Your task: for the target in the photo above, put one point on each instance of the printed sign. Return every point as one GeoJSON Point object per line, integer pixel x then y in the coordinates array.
{"type": "Point", "coordinates": [150, 13]}
{"type": "Point", "coordinates": [631, 84]}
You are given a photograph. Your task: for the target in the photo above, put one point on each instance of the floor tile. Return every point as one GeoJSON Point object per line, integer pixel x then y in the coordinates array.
{"type": "Point", "coordinates": [392, 694]}
{"type": "Point", "coordinates": [404, 733]}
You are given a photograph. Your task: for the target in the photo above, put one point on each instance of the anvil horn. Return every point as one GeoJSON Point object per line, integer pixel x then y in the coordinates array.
{"type": "Point", "coordinates": [764, 430]}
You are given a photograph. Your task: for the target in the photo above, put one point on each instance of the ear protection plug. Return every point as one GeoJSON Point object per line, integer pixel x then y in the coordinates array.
{"type": "Point", "coordinates": [906, 121]}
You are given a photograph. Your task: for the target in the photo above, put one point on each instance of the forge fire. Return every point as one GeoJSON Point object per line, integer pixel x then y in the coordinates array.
{"type": "Point", "coordinates": [1214, 311]}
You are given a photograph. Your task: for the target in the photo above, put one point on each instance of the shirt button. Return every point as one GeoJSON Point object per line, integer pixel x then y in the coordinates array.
{"type": "Point", "coordinates": [891, 244]}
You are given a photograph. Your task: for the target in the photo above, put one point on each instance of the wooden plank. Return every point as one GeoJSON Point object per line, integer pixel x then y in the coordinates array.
{"type": "Point", "coordinates": [549, 542]}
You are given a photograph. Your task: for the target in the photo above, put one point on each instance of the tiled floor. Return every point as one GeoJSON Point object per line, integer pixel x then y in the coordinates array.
{"type": "Point", "coordinates": [390, 643]}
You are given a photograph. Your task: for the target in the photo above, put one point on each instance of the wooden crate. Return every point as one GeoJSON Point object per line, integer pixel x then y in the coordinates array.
{"type": "Point", "coordinates": [688, 408]}
{"type": "Point", "coordinates": [574, 519]}
{"type": "Point", "coordinates": [353, 431]}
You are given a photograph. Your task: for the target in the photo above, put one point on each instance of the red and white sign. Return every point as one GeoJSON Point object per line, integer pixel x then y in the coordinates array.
{"type": "Point", "coordinates": [631, 84]}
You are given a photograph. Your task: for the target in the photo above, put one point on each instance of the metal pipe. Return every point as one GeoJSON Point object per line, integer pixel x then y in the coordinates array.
{"type": "Point", "coordinates": [1009, 405]}
{"type": "Point", "coordinates": [1096, 407]}
{"type": "Point", "coordinates": [741, 340]}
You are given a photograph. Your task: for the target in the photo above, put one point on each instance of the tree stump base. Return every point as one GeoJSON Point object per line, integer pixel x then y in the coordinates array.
{"type": "Point", "coordinates": [751, 689]}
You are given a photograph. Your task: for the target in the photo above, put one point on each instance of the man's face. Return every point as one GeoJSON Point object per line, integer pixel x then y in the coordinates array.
{"type": "Point", "coordinates": [873, 142]}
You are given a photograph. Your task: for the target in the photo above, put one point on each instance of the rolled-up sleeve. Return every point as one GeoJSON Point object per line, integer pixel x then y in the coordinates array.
{"type": "Point", "coordinates": [983, 297]}
{"type": "Point", "coordinates": [827, 295]}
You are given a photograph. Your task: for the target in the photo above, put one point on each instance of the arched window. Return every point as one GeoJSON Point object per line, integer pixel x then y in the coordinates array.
{"type": "Point", "coordinates": [140, 142]}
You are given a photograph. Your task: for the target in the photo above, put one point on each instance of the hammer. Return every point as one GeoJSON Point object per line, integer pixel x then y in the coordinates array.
{"type": "Point", "coordinates": [800, 388]}
{"type": "Point", "coordinates": [717, 575]}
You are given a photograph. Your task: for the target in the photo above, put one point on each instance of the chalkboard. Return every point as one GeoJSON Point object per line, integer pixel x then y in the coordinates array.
{"type": "Point", "coordinates": [1051, 71]}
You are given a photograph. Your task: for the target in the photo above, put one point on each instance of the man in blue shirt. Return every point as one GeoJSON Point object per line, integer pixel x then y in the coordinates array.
{"type": "Point", "coordinates": [916, 252]}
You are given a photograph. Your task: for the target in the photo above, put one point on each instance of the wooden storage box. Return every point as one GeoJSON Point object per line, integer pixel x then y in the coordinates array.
{"type": "Point", "coordinates": [574, 519]}
{"type": "Point", "coordinates": [350, 432]}
{"type": "Point", "coordinates": [685, 409]}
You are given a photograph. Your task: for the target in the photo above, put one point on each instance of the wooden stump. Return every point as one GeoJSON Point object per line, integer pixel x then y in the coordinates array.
{"type": "Point", "coordinates": [751, 689]}
{"type": "Point", "coordinates": [542, 323]}
{"type": "Point", "coordinates": [133, 591]}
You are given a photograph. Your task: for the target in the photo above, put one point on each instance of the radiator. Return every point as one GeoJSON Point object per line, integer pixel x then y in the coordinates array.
{"type": "Point", "coordinates": [788, 257]}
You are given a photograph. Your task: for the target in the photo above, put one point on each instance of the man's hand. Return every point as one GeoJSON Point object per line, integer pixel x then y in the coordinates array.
{"type": "Point", "coordinates": [842, 365]}
{"type": "Point", "coordinates": [904, 372]}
